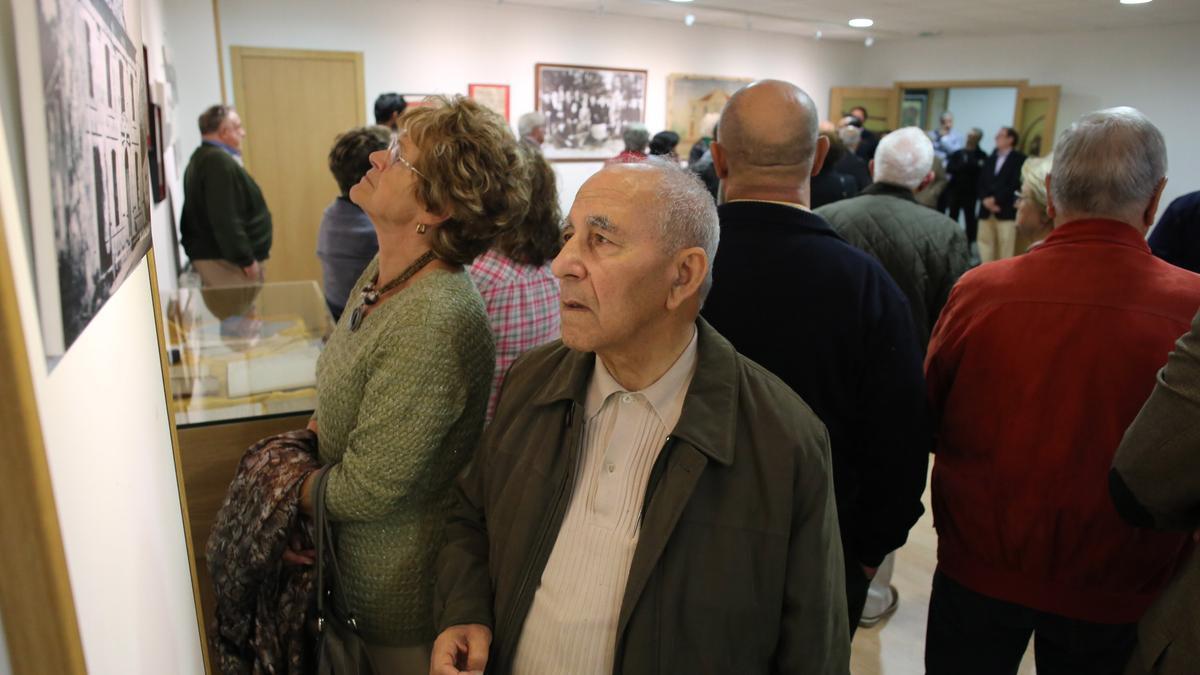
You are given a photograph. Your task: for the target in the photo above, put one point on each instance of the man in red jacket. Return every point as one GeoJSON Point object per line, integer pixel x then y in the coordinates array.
{"type": "Point", "coordinates": [1036, 367]}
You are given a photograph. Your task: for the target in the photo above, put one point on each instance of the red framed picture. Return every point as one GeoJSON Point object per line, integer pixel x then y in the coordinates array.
{"type": "Point", "coordinates": [493, 96]}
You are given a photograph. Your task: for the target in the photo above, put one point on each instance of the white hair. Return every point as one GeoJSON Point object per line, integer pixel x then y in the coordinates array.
{"type": "Point", "coordinates": [904, 157]}
{"type": "Point", "coordinates": [689, 216]}
{"type": "Point", "coordinates": [529, 121]}
{"type": "Point", "coordinates": [636, 137]}
{"type": "Point", "coordinates": [851, 136]}
{"type": "Point", "coordinates": [1108, 163]}
{"type": "Point", "coordinates": [708, 122]}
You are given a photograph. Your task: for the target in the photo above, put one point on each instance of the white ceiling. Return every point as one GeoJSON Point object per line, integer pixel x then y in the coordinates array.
{"type": "Point", "coordinates": [896, 19]}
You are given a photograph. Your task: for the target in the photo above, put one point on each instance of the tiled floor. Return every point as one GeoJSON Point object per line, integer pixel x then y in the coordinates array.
{"type": "Point", "coordinates": [897, 646]}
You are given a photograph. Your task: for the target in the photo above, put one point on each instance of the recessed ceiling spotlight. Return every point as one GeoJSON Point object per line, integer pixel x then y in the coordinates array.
{"type": "Point", "coordinates": [869, 41]}
{"type": "Point", "coordinates": [861, 23]}
{"type": "Point", "coordinates": [819, 35]}
{"type": "Point", "coordinates": [689, 19]}
{"type": "Point", "coordinates": [1134, 2]}
{"type": "Point", "coordinates": [680, 0]}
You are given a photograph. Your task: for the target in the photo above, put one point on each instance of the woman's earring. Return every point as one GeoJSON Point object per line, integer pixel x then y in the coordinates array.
{"type": "Point", "coordinates": [420, 228]}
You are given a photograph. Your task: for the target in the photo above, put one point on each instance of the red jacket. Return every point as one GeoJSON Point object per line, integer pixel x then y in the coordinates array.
{"type": "Point", "coordinates": [1036, 367]}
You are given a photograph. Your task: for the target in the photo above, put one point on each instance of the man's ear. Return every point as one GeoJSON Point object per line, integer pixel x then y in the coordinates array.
{"type": "Point", "coordinates": [720, 159]}
{"type": "Point", "coordinates": [925, 182]}
{"type": "Point", "coordinates": [1152, 207]}
{"type": "Point", "coordinates": [822, 151]}
{"type": "Point", "coordinates": [690, 267]}
{"type": "Point", "coordinates": [1049, 199]}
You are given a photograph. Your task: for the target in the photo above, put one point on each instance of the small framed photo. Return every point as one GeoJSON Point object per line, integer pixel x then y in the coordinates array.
{"type": "Point", "coordinates": [587, 108]}
{"type": "Point", "coordinates": [492, 96]}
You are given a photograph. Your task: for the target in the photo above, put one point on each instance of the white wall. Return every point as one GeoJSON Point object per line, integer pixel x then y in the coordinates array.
{"type": "Point", "coordinates": [104, 422]}
{"type": "Point", "coordinates": [1153, 69]}
{"type": "Point", "coordinates": [441, 47]}
{"type": "Point", "coordinates": [988, 108]}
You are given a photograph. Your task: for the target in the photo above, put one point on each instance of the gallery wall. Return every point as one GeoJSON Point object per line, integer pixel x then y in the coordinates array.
{"type": "Point", "coordinates": [441, 47]}
{"type": "Point", "coordinates": [988, 108]}
{"type": "Point", "coordinates": [108, 446]}
{"type": "Point", "coordinates": [1152, 69]}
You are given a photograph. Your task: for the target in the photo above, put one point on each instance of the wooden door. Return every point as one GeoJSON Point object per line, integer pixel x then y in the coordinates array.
{"type": "Point", "coordinates": [881, 104]}
{"type": "Point", "coordinates": [293, 104]}
{"type": "Point", "coordinates": [1035, 118]}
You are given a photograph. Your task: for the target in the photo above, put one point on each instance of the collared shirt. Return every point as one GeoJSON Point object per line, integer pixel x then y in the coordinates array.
{"type": "Point", "coordinates": [522, 306]}
{"type": "Point", "coordinates": [572, 625]}
{"type": "Point", "coordinates": [1000, 157]}
{"type": "Point", "coordinates": [233, 152]}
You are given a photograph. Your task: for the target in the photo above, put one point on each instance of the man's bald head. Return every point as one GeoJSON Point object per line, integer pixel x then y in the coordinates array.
{"type": "Point", "coordinates": [770, 125]}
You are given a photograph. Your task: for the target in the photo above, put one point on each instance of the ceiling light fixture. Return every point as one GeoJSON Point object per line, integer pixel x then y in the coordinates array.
{"type": "Point", "coordinates": [679, 0]}
{"type": "Point", "coordinates": [861, 23]}
{"type": "Point", "coordinates": [869, 41]}
{"type": "Point", "coordinates": [689, 19]}
{"type": "Point", "coordinates": [1134, 2]}
{"type": "Point", "coordinates": [819, 35]}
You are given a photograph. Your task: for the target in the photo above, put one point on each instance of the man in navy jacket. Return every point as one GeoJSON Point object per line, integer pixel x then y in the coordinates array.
{"type": "Point", "coordinates": [823, 316]}
{"type": "Point", "coordinates": [1176, 238]}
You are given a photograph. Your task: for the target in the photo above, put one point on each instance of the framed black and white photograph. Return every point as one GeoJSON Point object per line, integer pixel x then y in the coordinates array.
{"type": "Point", "coordinates": [587, 108]}
{"type": "Point", "coordinates": [84, 108]}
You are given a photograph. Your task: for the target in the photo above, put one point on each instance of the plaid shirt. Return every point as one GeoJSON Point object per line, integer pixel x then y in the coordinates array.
{"type": "Point", "coordinates": [522, 306]}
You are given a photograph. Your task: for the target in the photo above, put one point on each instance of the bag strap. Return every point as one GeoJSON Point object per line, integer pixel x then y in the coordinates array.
{"type": "Point", "coordinates": [324, 544]}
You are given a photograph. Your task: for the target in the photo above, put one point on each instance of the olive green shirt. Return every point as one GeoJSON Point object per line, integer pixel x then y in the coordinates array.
{"type": "Point", "coordinates": [401, 404]}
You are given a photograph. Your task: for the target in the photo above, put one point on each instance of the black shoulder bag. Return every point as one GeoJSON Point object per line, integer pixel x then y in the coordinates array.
{"type": "Point", "coordinates": [340, 649]}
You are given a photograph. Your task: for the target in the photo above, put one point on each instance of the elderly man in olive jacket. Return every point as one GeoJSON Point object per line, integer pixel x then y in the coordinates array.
{"type": "Point", "coordinates": [1155, 482]}
{"type": "Point", "coordinates": [646, 499]}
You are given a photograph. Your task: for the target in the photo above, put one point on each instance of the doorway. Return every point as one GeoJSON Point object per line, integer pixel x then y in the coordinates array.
{"type": "Point", "coordinates": [293, 104]}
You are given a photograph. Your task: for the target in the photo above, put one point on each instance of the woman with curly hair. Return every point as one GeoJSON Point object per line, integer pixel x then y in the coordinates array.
{"type": "Point", "coordinates": [402, 384]}
{"type": "Point", "coordinates": [514, 277]}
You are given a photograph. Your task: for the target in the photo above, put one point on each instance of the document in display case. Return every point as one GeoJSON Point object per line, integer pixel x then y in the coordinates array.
{"type": "Point", "coordinates": [244, 352]}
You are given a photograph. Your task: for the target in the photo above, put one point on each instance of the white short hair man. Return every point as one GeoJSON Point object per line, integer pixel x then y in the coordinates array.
{"type": "Point", "coordinates": [923, 250]}
{"type": "Point", "coordinates": [531, 127]}
{"type": "Point", "coordinates": [1037, 367]}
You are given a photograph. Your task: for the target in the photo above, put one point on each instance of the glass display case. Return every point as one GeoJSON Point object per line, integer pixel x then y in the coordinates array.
{"type": "Point", "coordinates": [245, 352]}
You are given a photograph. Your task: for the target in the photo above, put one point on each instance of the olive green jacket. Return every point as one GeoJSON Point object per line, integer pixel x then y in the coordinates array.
{"type": "Point", "coordinates": [738, 566]}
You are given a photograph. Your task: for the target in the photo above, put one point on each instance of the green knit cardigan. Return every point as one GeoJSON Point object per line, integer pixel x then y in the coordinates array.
{"type": "Point", "coordinates": [400, 404]}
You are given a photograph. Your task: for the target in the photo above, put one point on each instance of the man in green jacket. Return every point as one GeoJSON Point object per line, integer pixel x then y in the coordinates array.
{"type": "Point", "coordinates": [226, 227]}
{"type": "Point", "coordinates": [645, 499]}
{"type": "Point", "coordinates": [924, 251]}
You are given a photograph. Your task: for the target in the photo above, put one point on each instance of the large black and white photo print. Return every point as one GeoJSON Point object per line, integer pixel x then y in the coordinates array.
{"type": "Point", "coordinates": [83, 99]}
{"type": "Point", "coordinates": [587, 108]}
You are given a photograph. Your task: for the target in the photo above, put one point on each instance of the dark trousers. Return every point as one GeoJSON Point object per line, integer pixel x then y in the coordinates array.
{"type": "Point", "coordinates": [972, 633]}
{"type": "Point", "coordinates": [970, 214]}
{"type": "Point", "coordinates": [857, 584]}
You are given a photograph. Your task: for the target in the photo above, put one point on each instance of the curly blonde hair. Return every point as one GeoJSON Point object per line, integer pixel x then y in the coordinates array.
{"type": "Point", "coordinates": [1033, 175]}
{"type": "Point", "coordinates": [475, 173]}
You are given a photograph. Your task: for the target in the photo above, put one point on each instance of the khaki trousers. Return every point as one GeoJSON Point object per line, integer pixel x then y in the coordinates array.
{"type": "Point", "coordinates": [215, 273]}
{"type": "Point", "coordinates": [997, 239]}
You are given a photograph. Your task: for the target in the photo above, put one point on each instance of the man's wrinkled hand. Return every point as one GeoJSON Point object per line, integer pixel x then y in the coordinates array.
{"type": "Point", "coordinates": [461, 650]}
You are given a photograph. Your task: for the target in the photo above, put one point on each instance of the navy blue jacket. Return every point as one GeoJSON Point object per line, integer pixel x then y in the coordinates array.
{"type": "Point", "coordinates": [1176, 238]}
{"type": "Point", "coordinates": [827, 319]}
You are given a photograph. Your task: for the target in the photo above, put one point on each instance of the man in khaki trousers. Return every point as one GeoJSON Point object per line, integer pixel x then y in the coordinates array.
{"type": "Point", "coordinates": [999, 183]}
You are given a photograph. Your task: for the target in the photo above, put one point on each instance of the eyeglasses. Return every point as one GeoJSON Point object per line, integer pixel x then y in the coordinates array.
{"type": "Point", "coordinates": [1018, 196]}
{"type": "Point", "coordinates": [396, 154]}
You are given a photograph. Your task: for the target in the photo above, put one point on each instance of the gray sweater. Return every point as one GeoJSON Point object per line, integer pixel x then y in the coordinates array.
{"type": "Point", "coordinates": [346, 243]}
